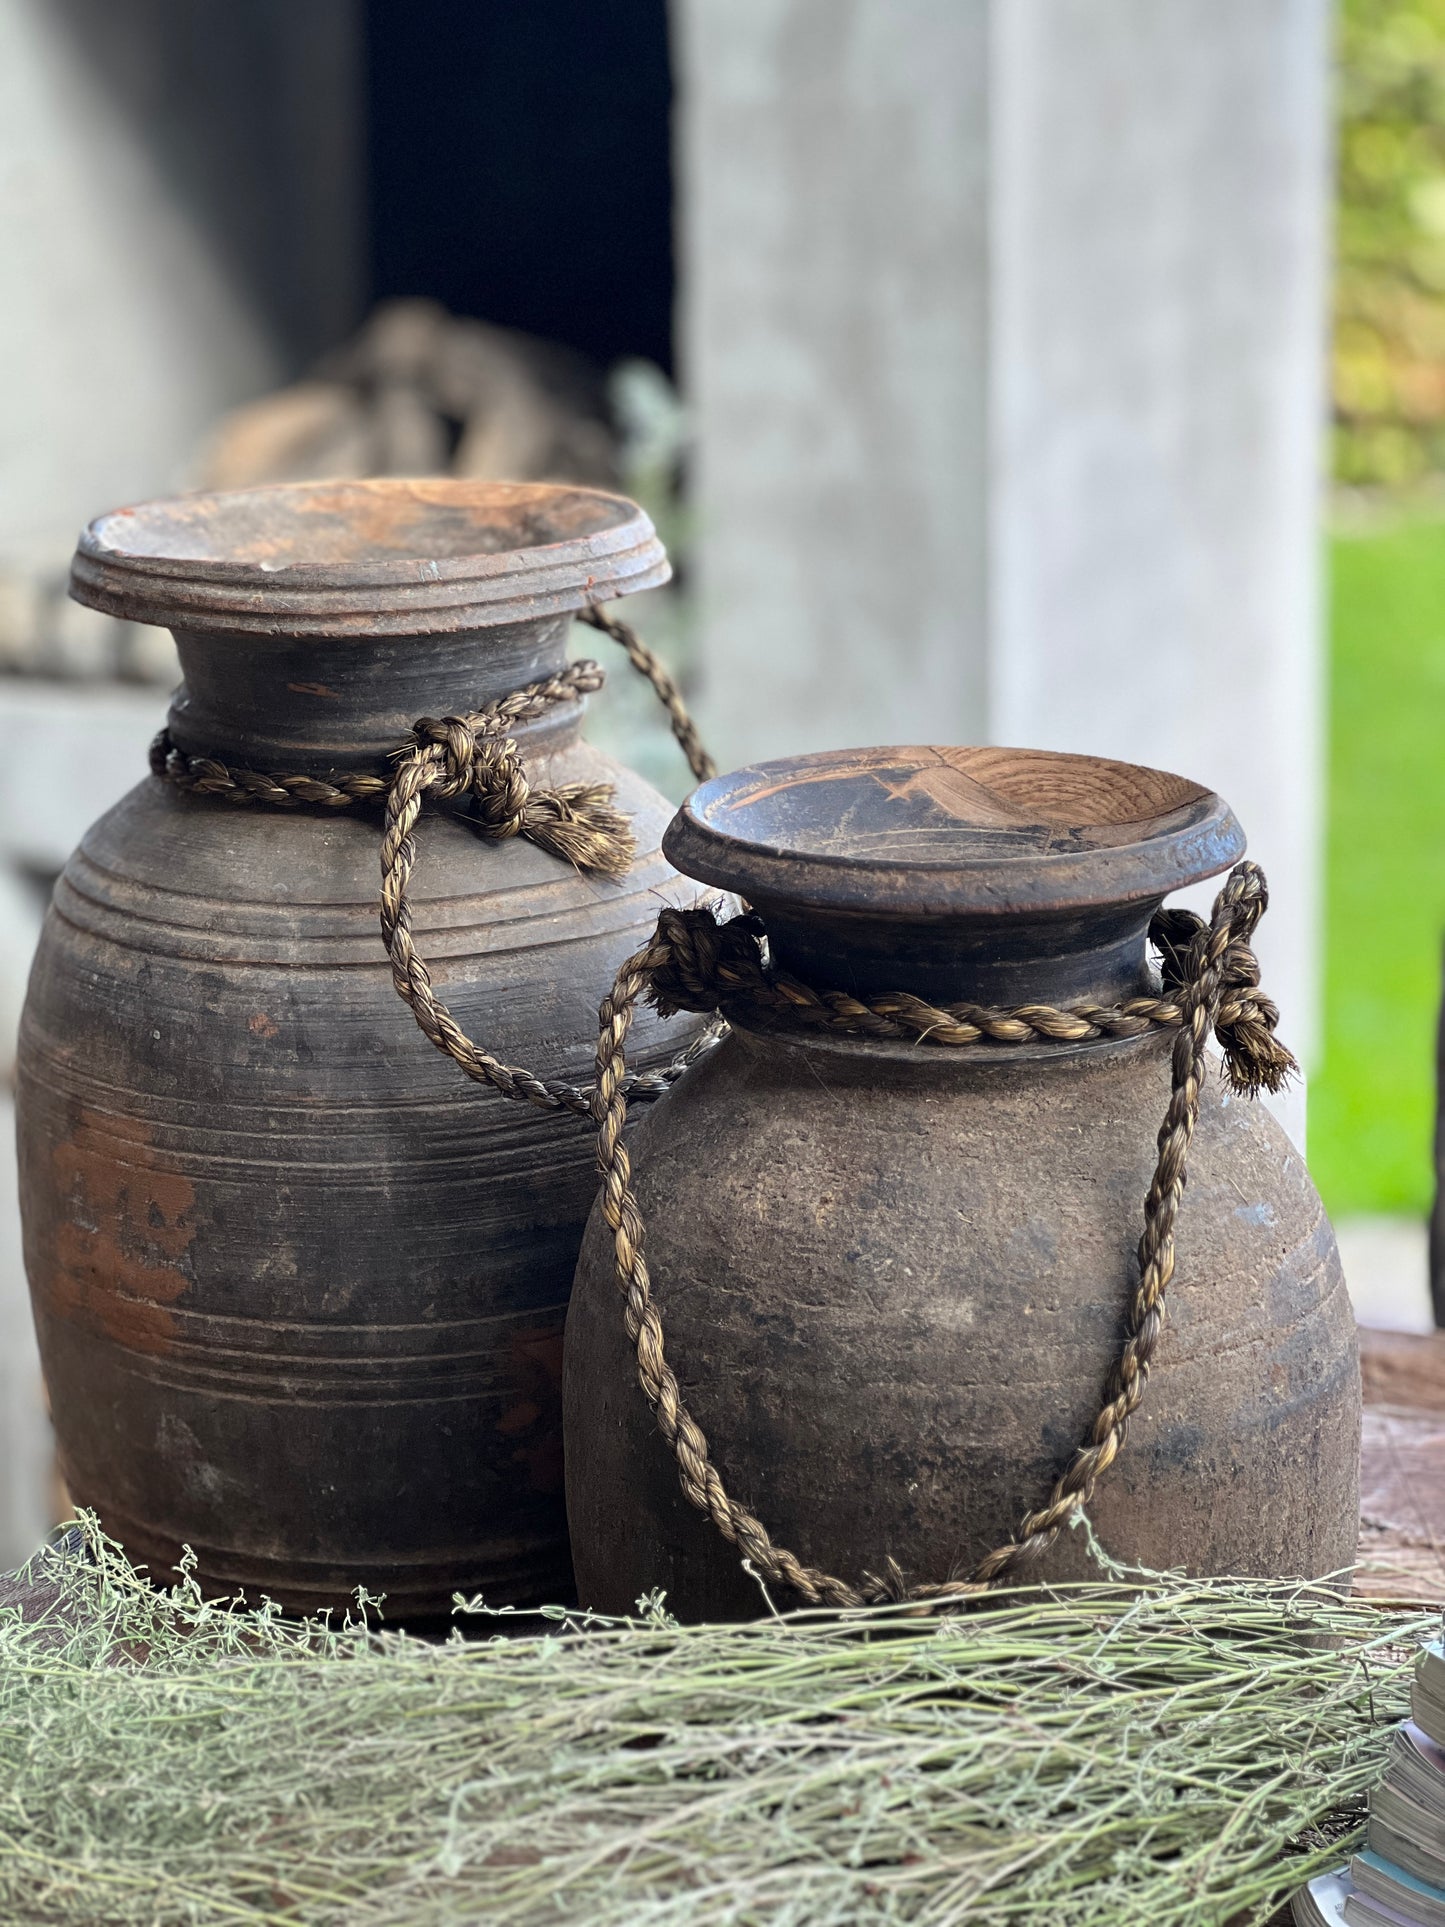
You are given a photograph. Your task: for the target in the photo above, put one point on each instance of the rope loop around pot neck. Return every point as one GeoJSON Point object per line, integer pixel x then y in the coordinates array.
{"type": "Point", "coordinates": [473, 759]}
{"type": "Point", "coordinates": [701, 964]}
{"type": "Point", "coordinates": [694, 962]}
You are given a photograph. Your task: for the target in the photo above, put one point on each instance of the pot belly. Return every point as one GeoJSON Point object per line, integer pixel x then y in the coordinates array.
{"type": "Point", "coordinates": [892, 1291]}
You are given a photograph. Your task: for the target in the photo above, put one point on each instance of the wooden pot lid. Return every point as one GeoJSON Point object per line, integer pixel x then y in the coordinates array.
{"type": "Point", "coordinates": [392, 557]}
{"type": "Point", "coordinates": [924, 832]}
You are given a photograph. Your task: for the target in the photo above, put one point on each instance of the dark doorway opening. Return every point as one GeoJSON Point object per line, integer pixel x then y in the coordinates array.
{"type": "Point", "coordinates": [520, 165]}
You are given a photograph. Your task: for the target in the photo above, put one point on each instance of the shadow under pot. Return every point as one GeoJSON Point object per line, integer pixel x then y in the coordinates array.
{"type": "Point", "coordinates": [299, 1286]}
{"type": "Point", "coordinates": [893, 1276]}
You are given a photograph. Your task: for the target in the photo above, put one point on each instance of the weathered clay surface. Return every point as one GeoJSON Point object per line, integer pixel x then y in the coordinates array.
{"type": "Point", "coordinates": [299, 1285]}
{"type": "Point", "coordinates": [893, 1292]}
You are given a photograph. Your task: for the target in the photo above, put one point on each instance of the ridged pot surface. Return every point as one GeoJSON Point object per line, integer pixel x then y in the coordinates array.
{"type": "Point", "coordinates": [299, 1285]}
{"type": "Point", "coordinates": [893, 1279]}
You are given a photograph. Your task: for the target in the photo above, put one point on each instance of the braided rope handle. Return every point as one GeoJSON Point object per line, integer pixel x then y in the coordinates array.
{"type": "Point", "coordinates": [576, 823]}
{"type": "Point", "coordinates": [1213, 972]}
{"type": "Point", "coordinates": [668, 694]}
{"type": "Point", "coordinates": [711, 965]}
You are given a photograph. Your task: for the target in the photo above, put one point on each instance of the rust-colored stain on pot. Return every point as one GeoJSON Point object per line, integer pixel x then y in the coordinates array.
{"type": "Point", "coordinates": [127, 1227]}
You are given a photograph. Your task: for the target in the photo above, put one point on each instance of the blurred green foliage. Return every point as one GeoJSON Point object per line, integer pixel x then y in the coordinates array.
{"type": "Point", "coordinates": [1372, 1104]}
{"type": "Point", "coordinates": [1389, 340]}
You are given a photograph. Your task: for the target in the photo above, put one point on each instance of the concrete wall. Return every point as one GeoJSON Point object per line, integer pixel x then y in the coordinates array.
{"type": "Point", "coordinates": [1004, 327]}
{"type": "Point", "coordinates": [1158, 403]}
{"type": "Point", "coordinates": [154, 216]}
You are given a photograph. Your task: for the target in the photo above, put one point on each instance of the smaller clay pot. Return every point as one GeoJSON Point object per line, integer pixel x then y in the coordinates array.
{"type": "Point", "coordinates": [893, 1278]}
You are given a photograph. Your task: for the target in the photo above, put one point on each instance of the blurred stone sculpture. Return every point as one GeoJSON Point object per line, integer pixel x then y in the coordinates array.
{"type": "Point", "coordinates": [417, 391]}
{"type": "Point", "coordinates": [422, 392]}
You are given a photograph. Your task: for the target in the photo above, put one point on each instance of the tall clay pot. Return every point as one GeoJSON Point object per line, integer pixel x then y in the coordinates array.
{"type": "Point", "coordinates": [299, 1287]}
{"type": "Point", "coordinates": [893, 1279]}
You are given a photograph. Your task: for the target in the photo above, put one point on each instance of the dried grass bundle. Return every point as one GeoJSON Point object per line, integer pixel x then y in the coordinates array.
{"type": "Point", "coordinates": [1161, 1752]}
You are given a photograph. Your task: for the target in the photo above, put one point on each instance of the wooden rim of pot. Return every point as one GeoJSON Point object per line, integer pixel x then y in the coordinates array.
{"type": "Point", "coordinates": [387, 557]}
{"type": "Point", "coordinates": [939, 832]}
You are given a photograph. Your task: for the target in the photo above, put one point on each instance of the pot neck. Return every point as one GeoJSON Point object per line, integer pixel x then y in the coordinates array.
{"type": "Point", "coordinates": [314, 706]}
{"type": "Point", "coordinates": [1099, 955]}
{"type": "Point", "coordinates": [964, 875]}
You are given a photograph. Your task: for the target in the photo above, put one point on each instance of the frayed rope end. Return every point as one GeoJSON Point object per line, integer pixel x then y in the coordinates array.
{"type": "Point", "coordinates": [580, 824]}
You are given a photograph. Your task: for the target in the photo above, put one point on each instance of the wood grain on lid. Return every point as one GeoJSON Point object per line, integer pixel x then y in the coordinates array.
{"type": "Point", "coordinates": [932, 830]}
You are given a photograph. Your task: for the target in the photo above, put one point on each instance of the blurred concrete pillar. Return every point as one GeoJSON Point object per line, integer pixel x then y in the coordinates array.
{"type": "Point", "coordinates": [1004, 330]}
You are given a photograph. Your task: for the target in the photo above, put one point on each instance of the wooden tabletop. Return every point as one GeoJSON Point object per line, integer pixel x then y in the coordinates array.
{"type": "Point", "coordinates": [1402, 1466]}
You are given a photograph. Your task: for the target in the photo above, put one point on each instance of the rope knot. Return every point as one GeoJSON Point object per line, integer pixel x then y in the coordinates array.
{"type": "Point", "coordinates": [1245, 1020]}
{"type": "Point", "coordinates": [501, 794]}
{"type": "Point", "coordinates": [703, 959]}
{"type": "Point", "coordinates": [453, 743]}
{"type": "Point", "coordinates": [473, 757]}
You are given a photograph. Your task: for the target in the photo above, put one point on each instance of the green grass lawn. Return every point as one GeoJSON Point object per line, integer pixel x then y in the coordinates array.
{"type": "Point", "coordinates": [1371, 1106]}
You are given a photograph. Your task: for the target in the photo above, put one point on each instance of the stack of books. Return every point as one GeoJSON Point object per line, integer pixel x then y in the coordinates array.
{"type": "Point", "coordinates": [1399, 1878]}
